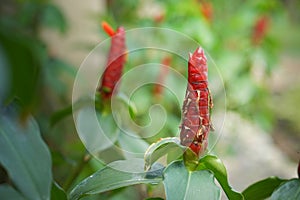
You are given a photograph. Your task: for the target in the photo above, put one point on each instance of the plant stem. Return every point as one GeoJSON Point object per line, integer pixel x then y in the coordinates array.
{"type": "Point", "coordinates": [70, 180]}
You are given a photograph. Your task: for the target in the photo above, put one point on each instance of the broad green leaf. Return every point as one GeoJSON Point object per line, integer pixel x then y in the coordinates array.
{"type": "Point", "coordinates": [262, 189]}
{"type": "Point", "coordinates": [116, 175]}
{"type": "Point", "coordinates": [97, 131]}
{"type": "Point", "coordinates": [7, 192]}
{"type": "Point", "coordinates": [24, 155]}
{"type": "Point", "coordinates": [288, 190]}
{"type": "Point", "coordinates": [215, 165]}
{"type": "Point", "coordinates": [159, 149]}
{"type": "Point", "coordinates": [23, 55]}
{"type": "Point", "coordinates": [57, 193]}
{"type": "Point", "coordinates": [183, 184]}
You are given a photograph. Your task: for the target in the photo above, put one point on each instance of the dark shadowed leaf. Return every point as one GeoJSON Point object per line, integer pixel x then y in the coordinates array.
{"type": "Point", "coordinates": [24, 155]}
{"type": "Point", "coordinates": [7, 192]}
{"type": "Point", "coordinates": [262, 189]}
{"type": "Point", "coordinates": [4, 76]}
{"type": "Point", "coordinates": [57, 193]}
{"type": "Point", "coordinates": [24, 77]}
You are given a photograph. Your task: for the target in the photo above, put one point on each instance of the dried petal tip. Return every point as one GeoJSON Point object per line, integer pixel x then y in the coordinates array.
{"type": "Point", "coordinates": [199, 54]}
{"type": "Point", "coordinates": [200, 50]}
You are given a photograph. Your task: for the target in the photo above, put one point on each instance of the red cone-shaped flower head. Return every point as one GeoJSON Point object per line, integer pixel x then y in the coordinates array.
{"type": "Point", "coordinates": [197, 104]}
{"type": "Point", "coordinates": [115, 62]}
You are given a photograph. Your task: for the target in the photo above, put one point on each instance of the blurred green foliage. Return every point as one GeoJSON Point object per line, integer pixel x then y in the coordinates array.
{"type": "Point", "coordinates": [228, 32]}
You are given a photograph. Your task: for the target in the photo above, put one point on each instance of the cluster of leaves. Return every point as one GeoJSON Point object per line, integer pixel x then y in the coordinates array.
{"type": "Point", "coordinates": [27, 159]}
{"type": "Point", "coordinates": [182, 179]}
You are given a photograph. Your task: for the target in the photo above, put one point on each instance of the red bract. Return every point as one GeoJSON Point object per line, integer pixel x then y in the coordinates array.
{"type": "Point", "coordinates": [115, 62]}
{"type": "Point", "coordinates": [162, 76]}
{"type": "Point", "coordinates": [207, 10]}
{"type": "Point", "coordinates": [159, 18]}
{"type": "Point", "coordinates": [197, 104]}
{"type": "Point", "coordinates": [260, 29]}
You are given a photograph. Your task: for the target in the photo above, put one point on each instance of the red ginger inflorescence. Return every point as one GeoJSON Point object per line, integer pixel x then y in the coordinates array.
{"type": "Point", "coordinates": [260, 29]}
{"type": "Point", "coordinates": [115, 62]}
{"type": "Point", "coordinates": [206, 9]}
{"type": "Point", "coordinates": [197, 104]}
{"type": "Point", "coordinates": [158, 89]}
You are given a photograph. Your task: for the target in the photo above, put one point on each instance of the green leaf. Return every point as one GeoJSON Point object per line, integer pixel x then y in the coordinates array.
{"type": "Point", "coordinates": [161, 148]}
{"type": "Point", "coordinates": [54, 18]}
{"type": "Point", "coordinates": [98, 131]}
{"type": "Point", "coordinates": [23, 55]}
{"type": "Point", "coordinates": [116, 175]}
{"type": "Point", "coordinates": [57, 193]}
{"type": "Point", "coordinates": [183, 184]}
{"type": "Point", "coordinates": [7, 192]}
{"type": "Point", "coordinates": [215, 165]}
{"type": "Point", "coordinates": [262, 189]}
{"type": "Point", "coordinates": [288, 190]}
{"type": "Point", "coordinates": [24, 155]}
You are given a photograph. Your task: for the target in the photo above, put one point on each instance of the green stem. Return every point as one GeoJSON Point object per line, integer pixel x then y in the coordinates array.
{"type": "Point", "coordinates": [70, 180]}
